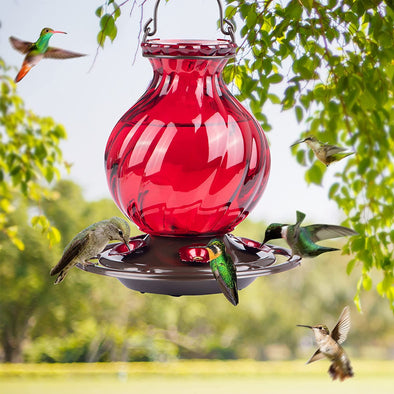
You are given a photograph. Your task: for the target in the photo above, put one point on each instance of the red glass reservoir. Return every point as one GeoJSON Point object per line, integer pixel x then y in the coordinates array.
{"type": "Point", "coordinates": [187, 158]}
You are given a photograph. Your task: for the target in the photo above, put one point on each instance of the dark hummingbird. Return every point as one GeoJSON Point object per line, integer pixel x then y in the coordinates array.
{"type": "Point", "coordinates": [90, 242]}
{"type": "Point", "coordinates": [330, 346]}
{"type": "Point", "coordinates": [223, 269]}
{"type": "Point", "coordinates": [326, 153]}
{"type": "Point", "coordinates": [35, 51]}
{"type": "Point", "coordinates": [302, 240]}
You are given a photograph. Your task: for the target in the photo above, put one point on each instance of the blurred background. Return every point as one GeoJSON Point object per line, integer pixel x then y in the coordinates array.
{"type": "Point", "coordinates": [91, 318]}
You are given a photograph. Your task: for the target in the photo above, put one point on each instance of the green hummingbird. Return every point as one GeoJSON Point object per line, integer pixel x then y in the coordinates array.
{"type": "Point", "coordinates": [330, 346]}
{"type": "Point", "coordinates": [223, 270]}
{"type": "Point", "coordinates": [326, 153]}
{"type": "Point", "coordinates": [302, 240]}
{"type": "Point", "coordinates": [35, 51]}
{"type": "Point", "coordinates": [90, 242]}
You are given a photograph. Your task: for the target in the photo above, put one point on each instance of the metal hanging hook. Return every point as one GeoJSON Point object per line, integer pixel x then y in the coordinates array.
{"type": "Point", "coordinates": [148, 32]}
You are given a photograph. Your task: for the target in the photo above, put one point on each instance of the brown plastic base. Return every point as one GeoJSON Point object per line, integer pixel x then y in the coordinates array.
{"type": "Point", "coordinates": [154, 265]}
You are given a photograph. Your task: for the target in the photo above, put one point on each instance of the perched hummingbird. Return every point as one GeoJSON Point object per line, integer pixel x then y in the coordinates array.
{"type": "Point", "coordinates": [330, 346]}
{"type": "Point", "coordinates": [302, 239]}
{"type": "Point", "coordinates": [35, 51]}
{"type": "Point", "coordinates": [89, 243]}
{"type": "Point", "coordinates": [223, 269]}
{"type": "Point", "coordinates": [324, 152]}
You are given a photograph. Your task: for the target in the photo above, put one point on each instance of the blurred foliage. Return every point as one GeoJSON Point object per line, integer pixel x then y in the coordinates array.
{"type": "Point", "coordinates": [91, 318]}
{"type": "Point", "coordinates": [30, 159]}
{"type": "Point", "coordinates": [30, 304]}
{"type": "Point", "coordinates": [335, 59]}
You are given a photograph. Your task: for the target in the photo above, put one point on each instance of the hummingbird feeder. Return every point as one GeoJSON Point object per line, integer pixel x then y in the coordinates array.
{"type": "Point", "coordinates": [186, 164]}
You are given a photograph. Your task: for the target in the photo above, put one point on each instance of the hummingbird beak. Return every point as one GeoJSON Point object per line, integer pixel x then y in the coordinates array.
{"type": "Point", "coordinates": [57, 31]}
{"type": "Point", "coordinates": [301, 325]}
{"type": "Point", "coordinates": [296, 143]}
{"type": "Point", "coordinates": [127, 244]}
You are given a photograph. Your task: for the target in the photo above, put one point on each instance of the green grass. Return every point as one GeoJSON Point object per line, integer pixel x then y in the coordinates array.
{"type": "Point", "coordinates": [194, 377]}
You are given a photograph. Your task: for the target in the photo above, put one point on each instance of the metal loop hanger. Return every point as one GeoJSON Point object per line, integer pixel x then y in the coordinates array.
{"type": "Point", "coordinates": [148, 32]}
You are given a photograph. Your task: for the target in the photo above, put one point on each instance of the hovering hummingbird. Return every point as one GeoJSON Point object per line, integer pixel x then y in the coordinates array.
{"type": "Point", "coordinates": [35, 51]}
{"type": "Point", "coordinates": [223, 269]}
{"type": "Point", "coordinates": [326, 153]}
{"type": "Point", "coordinates": [330, 346]}
{"type": "Point", "coordinates": [302, 239]}
{"type": "Point", "coordinates": [89, 243]}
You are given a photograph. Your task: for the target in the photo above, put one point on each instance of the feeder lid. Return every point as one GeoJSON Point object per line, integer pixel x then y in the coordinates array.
{"type": "Point", "coordinates": [188, 49]}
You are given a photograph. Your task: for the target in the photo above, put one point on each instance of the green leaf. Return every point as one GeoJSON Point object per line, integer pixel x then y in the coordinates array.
{"type": "Point", "coordinates": [18, 243]}
{"type": "Point", "coordinates": [230, 11]}
{"type": "Point", "coordinates": [273, 98]}
{"type": "Point", "coordinates": [251, 18]}
{"type": "Point", "coordinates": [301, 157]}
{"type": "Point", "coordinates": [275, 78]}
{"type": "Point", "coordinates": [117, 12]}
{"type": "Point", "coordinates": [99, 11]}
{"type": "Point", "coordinates": [363, 165]}
{"type": "Point", "coordinates": [350, 266]}
{"type": "Point", "coordinates": [299, 113]}
{"type": "Point", "coordinates": [314, 174]}
{"type": "Point", "coordinates": [107, 23]}
{"type": "Point", "coordinates": [367, 282]}
{"type": "Point", "coordinates": [333, 190]}
{"type": "Point", "coordinates": [101, 38]}
{"type": "Point", "coordinates": [112, 34]}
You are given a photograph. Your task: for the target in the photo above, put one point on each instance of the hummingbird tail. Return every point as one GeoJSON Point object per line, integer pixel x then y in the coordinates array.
{"type": "Point", "coordinates": [61, 276]}
{"type": "Point", "coordinates": [231, 293]}
{"type": "Point", "coordinates": [340, 370]}
{"type": "Point", "coordinates": [23, 71]}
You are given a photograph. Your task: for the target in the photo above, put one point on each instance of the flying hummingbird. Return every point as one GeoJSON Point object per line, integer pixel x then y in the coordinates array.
{"type": "Point", "coordinates": [223, 269]}
{"type": "Point", "coordinates": [89, 243]}
{"type": "Point", "coordinates": [302, 240]}
{"type": "Point", "coordinates": [326, 153]}
{"type": "Point", "coordinates": [35, 51]}
{"type": "Point", "coordinates": [330, 346]}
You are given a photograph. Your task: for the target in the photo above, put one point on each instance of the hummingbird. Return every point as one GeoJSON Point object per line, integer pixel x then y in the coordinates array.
{"type": "Point", "coordinates": [326, 153]}
{"type": "Point", "coordinates": [35, 51]}
{"type": "Point", "coordinates": [223, 270]}
{"type": "Point", "coordinates": [302, 240]}
{"type": "Point", "coordinates": [330, 346]}
{"type": "Point", "coordinates": [90, 242]}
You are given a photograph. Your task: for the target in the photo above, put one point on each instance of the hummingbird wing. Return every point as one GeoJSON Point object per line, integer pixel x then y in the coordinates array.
{"type": "Point", "coordinates": [318, 355]}
{"type": "Point", "coordinates": [333, 149]}
{"type": "Point", "coordinates": [70, 252]}
{"type": "Point", "coordinates": [340, 331]}
{"type": "Point", "coordinates": [320, 232]}
{"type": "Point", "coordinates": [230, 292]}
{"type": "Point", "coordinates": [57, 53]}
{"type": "Point", "coordinates": [293, 232]}
{"type": "Point", "coordinates": [300, 217]}
{"type": "Point", "coordinates": [19, 45]}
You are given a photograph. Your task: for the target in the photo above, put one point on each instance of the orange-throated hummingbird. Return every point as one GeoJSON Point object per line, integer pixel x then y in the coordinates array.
{"type": "Point", "coordinates": [223, 270]}
{"type": "Point", "coordinates": [35, 51]}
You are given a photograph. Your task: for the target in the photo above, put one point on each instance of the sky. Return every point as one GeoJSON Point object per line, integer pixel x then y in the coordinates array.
{"type": "Point", "coordinates": [89, 103]}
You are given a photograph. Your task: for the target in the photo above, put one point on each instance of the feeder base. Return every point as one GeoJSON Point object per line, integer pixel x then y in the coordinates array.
{"type": "Point", "coordinates": [155, 266]}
